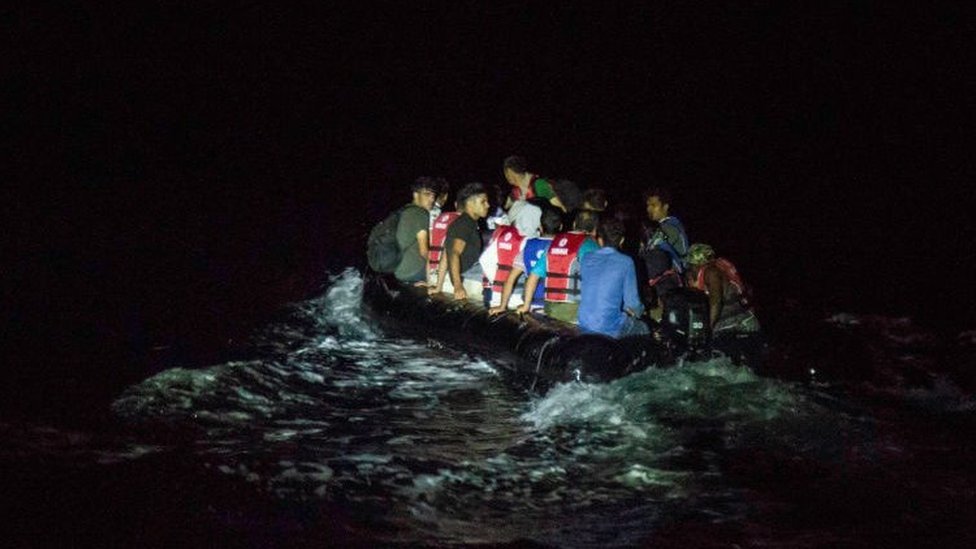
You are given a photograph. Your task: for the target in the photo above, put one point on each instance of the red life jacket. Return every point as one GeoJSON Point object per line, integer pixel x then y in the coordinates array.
{"type": "Point", "coordinates": [438, 234]}
{"type": "Point", "coordinates": [530, 193]}
{"type": "Point", "coordinates": [508, 242]}
{"type": "Point", "coordinates": [670, 273]}
{"type": "Point", "coordinates": [562, 268]}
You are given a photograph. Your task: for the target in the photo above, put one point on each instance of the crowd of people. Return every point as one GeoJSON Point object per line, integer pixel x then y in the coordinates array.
{"type": "Point", "coordinates": [546, 247]}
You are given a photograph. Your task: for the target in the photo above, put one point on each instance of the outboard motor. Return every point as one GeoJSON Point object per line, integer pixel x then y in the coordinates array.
{"type": "Point", "coordinates": [685, 319]}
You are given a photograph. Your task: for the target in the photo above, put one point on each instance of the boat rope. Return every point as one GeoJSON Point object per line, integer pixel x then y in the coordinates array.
{"type": "Point", "coordinates": [538, 363]}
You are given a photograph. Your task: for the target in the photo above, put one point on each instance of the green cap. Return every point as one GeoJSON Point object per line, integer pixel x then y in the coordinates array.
{"type": "Point", "coordinates": [699, 254]}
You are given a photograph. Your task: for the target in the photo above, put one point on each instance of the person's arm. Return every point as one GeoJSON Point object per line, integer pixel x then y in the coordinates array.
{"type": "Point", "coordinates": [423, 244]}
{"type": "Point", "coordinates": [632, 301]}
{"type": "Point", "coordinates": [557, 203]}
{"type": "Point", "coordinates": [713, 285]}
{"type": "Point", "coordinates": [507, 290]}
{"type": "Point", "coordinates": [441, 274]}
{"type": "Point", "coordinates": [530, 285]}
{"type": "Point", "coordinates": [454, 265]}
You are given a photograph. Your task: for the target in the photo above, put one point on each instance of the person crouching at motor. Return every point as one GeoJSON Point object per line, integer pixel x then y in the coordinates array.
{"type": "Point", "coordinates": [463, 245]}
{"type": "Point", "coordinates": [729, 307]}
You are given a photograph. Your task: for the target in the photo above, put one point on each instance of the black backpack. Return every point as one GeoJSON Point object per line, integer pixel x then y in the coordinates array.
{"type": "Point", "coordinates": [382, 251]}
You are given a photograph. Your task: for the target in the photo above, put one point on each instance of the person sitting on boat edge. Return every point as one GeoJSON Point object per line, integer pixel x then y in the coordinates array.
{"type": "Point", "coordinates": [412, 232]}
{"type": "Point", "coordinates": [533, 250]}
{"type": "Point", "coordinates": [507, 243]}
{"type": "Point", "coordinates": [559, 268]}
{"type": "Point", "coordinates": [609, 302]}
{"type": "Point", "coordinates": [463, 245]}
{"type": "Point", "coordinates": [729, 307]}
{"type": "Point", "coordinates": [438, 235]}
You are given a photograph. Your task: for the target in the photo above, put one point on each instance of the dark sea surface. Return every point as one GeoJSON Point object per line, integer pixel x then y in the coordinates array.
{"type": "Point", "coordinates": [325, 430]}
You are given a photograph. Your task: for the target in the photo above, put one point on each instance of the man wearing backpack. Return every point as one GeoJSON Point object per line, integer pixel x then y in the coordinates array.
{"type": "Point", "coordinates": [412, 232]}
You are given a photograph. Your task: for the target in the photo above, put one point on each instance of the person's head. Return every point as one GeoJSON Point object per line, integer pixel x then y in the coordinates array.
{"type": "Point", "coordinates": [658, 202]}
{"type": "Point", "coordinates": [610, 232]}
{"type": "Point", "coordinates": [472, 199]}
{"type": "Point", "coordinates": [699, 254]}
{"type": "Point", "coordinates": [595, 199]}
{"type": "Point", "coordinates": [424, 191]}
{"type": "Point", "coordinates": [443, 189]}
{"type": "Point", "coordinates": [586, 222]}
{"type": "Point", "coordinates": [568, 193]}
{"type": "Point", "coordinates": [551, 221]}
{"type": "Point", "coordinates": [515, 169]}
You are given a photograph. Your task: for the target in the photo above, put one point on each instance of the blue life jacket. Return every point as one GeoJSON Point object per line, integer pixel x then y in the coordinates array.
{"type": "Point", "coordinates": [534, 249]}
{"type": "Point", "coordinates": [659, 240]}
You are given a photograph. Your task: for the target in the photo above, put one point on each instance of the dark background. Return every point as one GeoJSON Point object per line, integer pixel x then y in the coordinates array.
{"type": "Point", "coordinates": [178, 173]}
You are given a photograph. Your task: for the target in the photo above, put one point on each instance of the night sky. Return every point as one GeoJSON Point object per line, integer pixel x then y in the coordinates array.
{"type": "Point", "coordinates": [180, 172]}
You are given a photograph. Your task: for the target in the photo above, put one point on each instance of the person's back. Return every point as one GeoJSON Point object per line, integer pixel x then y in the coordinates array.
{"type": "Point", "coordinates": [412, 233]}
{"type": "Point", "coordinates": [609, 302]}
{"type": "Point", "coordinates": [560, 268]}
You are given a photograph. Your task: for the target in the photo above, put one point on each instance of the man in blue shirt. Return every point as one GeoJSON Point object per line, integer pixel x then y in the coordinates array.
{"type": "Point", "coordinates": [609, 303]}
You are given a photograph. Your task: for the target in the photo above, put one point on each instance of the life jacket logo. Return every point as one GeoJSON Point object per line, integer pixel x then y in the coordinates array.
{"type": "Point", "coordinates": [562, 242]}
{"type": "Point", "coordinates": [508, 236]}
{"type": "Point", "coordinates": [440, 225]}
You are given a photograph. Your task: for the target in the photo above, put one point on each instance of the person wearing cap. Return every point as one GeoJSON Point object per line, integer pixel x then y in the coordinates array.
{"type": "Point", "coordinates": [609, 302]}
{"type": "Point", "coordinates": [730, 311]}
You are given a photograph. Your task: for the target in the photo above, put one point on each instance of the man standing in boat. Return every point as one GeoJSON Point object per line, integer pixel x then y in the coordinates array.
{"type": "Point", "coordinates": [609, 303]}
{"type": "Point", "coordinates": [562, 194]}
{"type": "Point", "coordinates": [462, 245]}
{"type": "Point", "coordinates": [668, 239]}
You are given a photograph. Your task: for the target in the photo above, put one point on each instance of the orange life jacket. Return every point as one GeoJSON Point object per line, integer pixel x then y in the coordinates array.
{"type": "Point", "coordinates": [438, 234]}
{"type": "Point", "coordinates": [562, 268]}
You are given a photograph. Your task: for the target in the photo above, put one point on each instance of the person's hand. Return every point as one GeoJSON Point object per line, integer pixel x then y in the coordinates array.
{"type": "Point", "coordinates": [522, 309]}
{"type": "Point", "coordinates": [496, 310]}
{"type": "Point", "coordinates": [433, 290]}
{"type": "Point", "coordinates": [420, 284]}
{"type": "Point", "coordinates": [460, 294]}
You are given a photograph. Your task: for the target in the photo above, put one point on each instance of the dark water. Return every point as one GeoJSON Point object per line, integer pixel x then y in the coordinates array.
{"type": "Point", "coordinates": [328, 431]}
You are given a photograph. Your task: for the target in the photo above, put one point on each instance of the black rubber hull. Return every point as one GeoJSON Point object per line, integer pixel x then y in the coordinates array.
{"type": "Point", "coordinates": [541, 351]}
